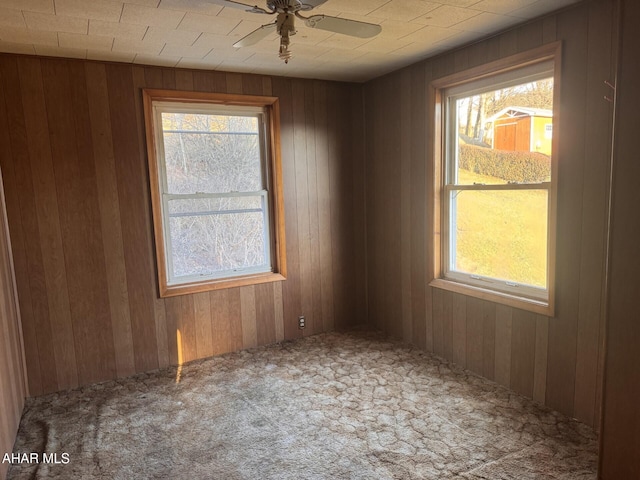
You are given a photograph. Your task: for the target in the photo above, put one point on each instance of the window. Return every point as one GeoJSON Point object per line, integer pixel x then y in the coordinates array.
{"type": "Point", "coordinates": [496, 174]}
{"type": "Point", "coordinates": [214, 168]}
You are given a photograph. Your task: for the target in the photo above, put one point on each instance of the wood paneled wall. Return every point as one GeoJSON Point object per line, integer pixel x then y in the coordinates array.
{"type": "Point", "coordinates": [12, 380]}
{"type": "Point", "coordinates": [557, 361]}
{"type": "Point", "coordinates": [79, 214]}
{"type": "Point", "coordinates": [620, 454]}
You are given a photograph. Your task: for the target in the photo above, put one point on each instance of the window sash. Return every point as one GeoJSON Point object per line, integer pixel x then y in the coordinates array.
{"type": "Point", "coordinates": [223, 110]}
{"type": "Point", "coordinates": [451, 95]}
{"type": "Point", "coordinates": [172, 107]}
{"type": "Point", "coordinates": [502, 285]}
{"type": "Point", "coordinates": [172, 279]}
{"type": "Point", "coordinates": [203, 256]}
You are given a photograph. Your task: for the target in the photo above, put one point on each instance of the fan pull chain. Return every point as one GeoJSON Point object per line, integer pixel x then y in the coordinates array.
{"type": "Point", "coordinates": [285, 54]}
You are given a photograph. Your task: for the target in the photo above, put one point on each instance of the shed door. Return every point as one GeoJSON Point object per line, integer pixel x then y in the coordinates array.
{"type": "Point", "coordinates": [505, 137]}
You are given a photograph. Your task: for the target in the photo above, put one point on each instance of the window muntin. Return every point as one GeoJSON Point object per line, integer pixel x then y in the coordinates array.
{"type": "Point", "coordinates": [214, 170]}
{"type": "Point", "coordinates": [496, 202]}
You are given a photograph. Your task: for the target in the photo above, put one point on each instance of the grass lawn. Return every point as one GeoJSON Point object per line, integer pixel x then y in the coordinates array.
{"type": "Point", "coordinates": [502, 234]}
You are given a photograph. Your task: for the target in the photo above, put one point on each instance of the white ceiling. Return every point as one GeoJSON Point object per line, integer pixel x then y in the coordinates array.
{"type": "Point", "coordinates": [200, 33]}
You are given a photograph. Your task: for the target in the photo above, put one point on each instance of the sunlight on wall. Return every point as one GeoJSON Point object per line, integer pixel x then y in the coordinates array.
{"type": "Point", "coordinates": [180, 358]}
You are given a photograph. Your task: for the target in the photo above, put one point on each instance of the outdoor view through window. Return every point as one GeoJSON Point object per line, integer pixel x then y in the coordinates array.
{"type": "Point", "coordinates": [498, 178]}
{"type": "Point", "coordinates": [214, 197]}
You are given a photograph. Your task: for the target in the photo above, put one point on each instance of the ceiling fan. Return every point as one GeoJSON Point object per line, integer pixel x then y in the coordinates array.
{"type": "Point", "coordinates": [287, 11]}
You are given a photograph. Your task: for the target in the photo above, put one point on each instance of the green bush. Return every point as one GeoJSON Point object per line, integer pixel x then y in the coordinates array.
{"type": "Point", "coordinates": [520, 167]}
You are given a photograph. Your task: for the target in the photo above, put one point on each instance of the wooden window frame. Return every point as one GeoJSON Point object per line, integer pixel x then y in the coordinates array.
{"type": "Point", "coordinates": [438, 164]}
{"type": "Point", "coordinates": [270, 106]}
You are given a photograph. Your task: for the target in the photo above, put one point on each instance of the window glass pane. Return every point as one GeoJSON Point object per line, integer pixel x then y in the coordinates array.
{"type": "Point", "coordinates": [500, 234]}
{"type": "Point", "coordinates": [211, 153]}
{"type": "Point", "coordinates": [504, 136]}
{"type": "Point", "coordinates": [215, 235]}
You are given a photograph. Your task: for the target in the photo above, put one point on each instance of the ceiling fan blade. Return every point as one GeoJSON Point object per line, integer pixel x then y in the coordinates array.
{"type": "Point", "coordinates": [309, 4]}
{"type": "Point", "coordinates": [255, 36]}
{"type": "Point", "coordinates": [343, 26]}
{"type": "Point", "coordinates": [243, 6]}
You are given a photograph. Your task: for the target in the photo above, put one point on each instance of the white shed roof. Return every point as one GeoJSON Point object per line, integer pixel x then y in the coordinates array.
{"type": "Point", "coordinates": [521, 111]}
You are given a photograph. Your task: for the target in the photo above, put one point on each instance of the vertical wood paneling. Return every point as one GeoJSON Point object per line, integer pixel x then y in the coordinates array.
{"type": "Point", "coordinates": [251, 323]}
{"type": "Point", "coordinates": [79, 212]}
{"type": "Point", "coordinates": [234, 83]}
{"type": "Point", "coordinates": [169, 79]}
{"type": "Point", "coordinates": [503, 331]}
{"type": "Point", "coordinates": [597, 166]}
{"type": "Point", "coordinates": [173, 312]}
{"type": "Point", "coordinates": [488, 339]}
{"type": "Point", "coordinates": [107, 190]}
{"type": "Point", "coordinates": [324, 201]}
{"type": "Point", "coordinates": [540, 366]}
{"type": "Point", "coordinates": [549, 28]}
{"type": "Point", "coordinates": [357, 191]}
{"type": "Point", "coordinates": [529, 36]}
{"type": "Point", "coordinates": [152, 77]}
{"type": "Point", "coordinates": [183, 80]}
{"type": "Point", "coordinates": [10, 330]}
{"type": "Point", "coordinates": [202, 314]}
{"type": "Point", "coordinates": [75, 177]}
{"type": "Point", "coordinates": [375, 229]}
{"type": "Point", "coordinates": [438, 319]}
{"type": "Point", "coordinates": [204, 81]}
{"type": "Point", "coordinates": [162, 80]}
{"type": "Point", "coordinates": [371, 125]}
{"type": "Point", "coordinates": [353, 193]}
{"type": "Point", "coordinates": [252, 85]}
{"type": "Point", "coordinates": [302, 198]}
{"type": "Point", "coordinates": [279, 311]}
{"type": "Point", "coordinates": [475, 335]}
{"type": "Point", "coordinates": [46, 203]}
{"type": "Point", "coordinates": [405, 205]}
{"type": "Point", "coordinates": [461, 57]}
{"type": "Point", "coordinates": [620, 435]}
{"type": "Point", "coordinates": [248, 315]}
{"type": "Point", "coordinates": [187, 327]}
{"type": "Point", "coordinates": [447, 325]}
{"type": "Point", "coordinates": [563, 331]}
{"type": "Point", "coordinates": [553, 360]}
{"type": "Point", "coordinates": [459, 330]}
{"type": "Point", "coordinates": [14, 146]}
{"type": "Point", "coordinates": [420, 262]}
{"type": "Point", "coordinates": [508, 43]}
{"type": "Point", "coordinates": [291, 289]}
{"type": "Point", "coordinates": [220, 321]}
{"type": "Point", "coordinates": [315, 278]}
{"type": "Point", "coordinates": [523, 337]}
{"type": "Point", "coordinates": [340, 185]}
{"type": "Point", "coordinates": [11, 360]}
{"type": "Point", "coordinates": [12, 379]}
{"type": "Point", "coordinates": [390, 204]}
{"type": "Point", "coordinates": [236, 336]}
{"type": "Point", "coordinates": [134, 212]}
{"type": "Point", "coordinates": [265, 313]}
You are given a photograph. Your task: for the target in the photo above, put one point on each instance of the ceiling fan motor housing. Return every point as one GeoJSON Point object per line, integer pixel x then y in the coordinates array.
{"type": "Point", "coordinates": [291, 6]}
{"type": "Point", "coordinates": [286, 25]}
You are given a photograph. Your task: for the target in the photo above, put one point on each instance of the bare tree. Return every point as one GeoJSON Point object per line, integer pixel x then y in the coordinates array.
{"type": "Point", "coordinates": [538, 94]}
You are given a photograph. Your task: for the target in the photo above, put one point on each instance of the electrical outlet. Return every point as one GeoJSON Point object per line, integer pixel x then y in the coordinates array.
{"type": "Point", "coordinates": [301, 322]}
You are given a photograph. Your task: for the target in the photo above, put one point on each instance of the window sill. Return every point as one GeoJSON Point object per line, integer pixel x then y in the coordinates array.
{"type": "Point", "coordinates": [219, 284]}
{"type": "Point", "coordinates": [531, 305]}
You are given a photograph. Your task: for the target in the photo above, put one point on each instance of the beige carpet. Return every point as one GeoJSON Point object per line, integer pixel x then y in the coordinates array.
{"type": "Point", "coordinates": [332, 406]}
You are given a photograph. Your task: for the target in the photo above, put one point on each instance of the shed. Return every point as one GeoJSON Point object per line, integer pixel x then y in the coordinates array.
{"type": "Point", "coordinates": [521, 129]}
